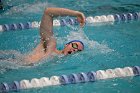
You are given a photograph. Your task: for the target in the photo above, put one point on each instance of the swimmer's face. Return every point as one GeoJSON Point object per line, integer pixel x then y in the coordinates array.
{"type": "Point", "coordinates": [72, 48]}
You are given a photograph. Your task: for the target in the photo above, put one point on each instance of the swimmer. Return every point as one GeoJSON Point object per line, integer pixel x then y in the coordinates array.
{"type": "Point", "coordinates": [47, 45]}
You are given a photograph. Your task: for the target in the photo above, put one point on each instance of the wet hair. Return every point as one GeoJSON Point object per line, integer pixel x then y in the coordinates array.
{"type": "Point", "coordinates": [76, 41]}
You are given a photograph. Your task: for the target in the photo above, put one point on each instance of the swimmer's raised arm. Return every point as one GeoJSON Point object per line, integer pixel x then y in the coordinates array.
{"type": "Point", "coordinates": [46, 26]}
{"type": "Point", "coordinates": [66, 12]}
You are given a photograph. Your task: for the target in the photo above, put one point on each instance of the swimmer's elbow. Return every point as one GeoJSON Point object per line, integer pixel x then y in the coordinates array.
{"type": "Point", "coordinates": [52, 11]}
{"type": "Point", "coordinates": [47, 11]}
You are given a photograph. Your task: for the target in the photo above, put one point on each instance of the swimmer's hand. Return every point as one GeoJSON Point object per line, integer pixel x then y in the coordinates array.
{"type": "Point", "coordinates": [81, 18]}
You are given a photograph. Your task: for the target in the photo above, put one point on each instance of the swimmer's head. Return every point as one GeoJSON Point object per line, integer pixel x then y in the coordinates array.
{"type": "Point", "coordinates": [73, 46]}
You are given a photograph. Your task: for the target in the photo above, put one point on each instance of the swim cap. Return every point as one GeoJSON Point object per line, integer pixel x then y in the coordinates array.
{"type": "Point", "coordinates": [76, 41]}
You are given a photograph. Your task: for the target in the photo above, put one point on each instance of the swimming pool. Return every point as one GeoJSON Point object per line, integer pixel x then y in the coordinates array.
{"type": "Point", "coordinates": [107, 46]}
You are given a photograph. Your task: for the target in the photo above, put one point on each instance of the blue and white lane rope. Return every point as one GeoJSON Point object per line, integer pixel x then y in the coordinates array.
{"type": "Point", "coordinates": [70, 79]}
{"type": "Point", "coordinates": [89, 20]}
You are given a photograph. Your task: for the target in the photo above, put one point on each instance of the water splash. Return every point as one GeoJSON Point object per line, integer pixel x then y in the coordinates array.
{"type": "Point", "coordinates": [91, 45]}
{"type": "Point", "coordinates": [27, 9]}
{"type": "Point", "coordinates": [10, 59]}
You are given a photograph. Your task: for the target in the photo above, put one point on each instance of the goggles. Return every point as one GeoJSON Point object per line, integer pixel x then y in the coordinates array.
{"type": "Point", "coordinates": [75, 46]}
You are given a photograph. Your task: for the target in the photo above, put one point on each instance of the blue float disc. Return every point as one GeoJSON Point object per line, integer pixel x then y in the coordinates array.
{"type": "Point", "coordinates": [63, 22]}
{"type": "Point", "coordinates": [64, 79]}
{"type": "Point", "coordinates": [83, 77]}
{"type": "Point", "coordinates": [117, 18]}
{"type": "Point", "coordinates": [20, 26]}
{"type": "Point", "coordinates": [73, 78]}
{"type": "Point", "coordinates": [17, 85]}
{"type": "Point", "coordinates": [135, 15]}
{"type": "Point", "coordinates": [5, 87]}
{"type": "Point", "coordinates": [71, 21]}
{"type": "Point", "coordinates": [5, 27]}
{"type": "Point", "coordinates": [130, 16]}
{"type": "Point", "coordinates": [136, 70]}
{"type": "Point", "coordinates": [92, 76]}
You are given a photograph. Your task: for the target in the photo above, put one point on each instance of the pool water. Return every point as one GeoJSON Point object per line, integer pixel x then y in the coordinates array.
{"type": "Point", "coordinates": [106, 46]}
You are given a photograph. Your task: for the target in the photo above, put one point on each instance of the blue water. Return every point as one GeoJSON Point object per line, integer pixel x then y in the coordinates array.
{"type": "Point", "coordinates": [106, 46]}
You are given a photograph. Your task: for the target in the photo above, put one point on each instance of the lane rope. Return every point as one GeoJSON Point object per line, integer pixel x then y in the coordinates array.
{"type": "Point", "coordinates": [124, 17]}
{"type": "Point", "coordinates": [73, 78]}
